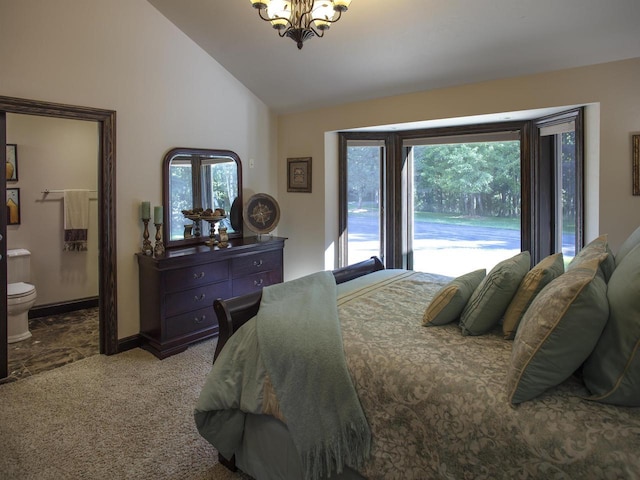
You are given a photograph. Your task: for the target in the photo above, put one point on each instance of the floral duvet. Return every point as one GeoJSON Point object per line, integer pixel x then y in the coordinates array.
{"type": "Point", "coordinates": [436, 402]}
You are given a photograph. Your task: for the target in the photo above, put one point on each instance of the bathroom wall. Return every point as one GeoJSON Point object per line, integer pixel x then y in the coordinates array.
{"type": "Point", "coordinates": [55, 154]}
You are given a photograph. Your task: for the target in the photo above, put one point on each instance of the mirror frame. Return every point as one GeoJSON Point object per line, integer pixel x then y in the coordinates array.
{"type": "Point", "coordinates": [166, 197]}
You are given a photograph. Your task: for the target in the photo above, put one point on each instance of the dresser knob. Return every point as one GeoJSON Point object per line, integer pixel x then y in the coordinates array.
{"type": "Point", "coordinates": [258, 283]}
{"type": "Point", "coordinates": [199, 298]}
{"type": "Point", "coordinates": [196, 276]}
{"type": "Point", "coordinates": [257, 263]}
{"type": "Point", "coordinates": [200, 320]}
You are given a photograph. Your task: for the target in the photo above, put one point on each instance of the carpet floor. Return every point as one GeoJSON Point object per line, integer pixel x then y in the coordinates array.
{"type": "Point", "coordinates": [125, 416]}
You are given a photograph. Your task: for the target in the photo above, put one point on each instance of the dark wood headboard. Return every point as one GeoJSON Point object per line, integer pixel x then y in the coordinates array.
{"type": "Point", "coordinates": [235, 312]}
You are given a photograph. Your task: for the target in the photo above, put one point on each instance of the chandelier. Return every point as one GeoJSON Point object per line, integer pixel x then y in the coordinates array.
{"type": "Point", "coordinates": [301, 19]}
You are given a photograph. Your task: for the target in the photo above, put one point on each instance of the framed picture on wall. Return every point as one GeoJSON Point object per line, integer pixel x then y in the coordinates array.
{"type": "Point", "coordinates": [12, 162]}
{"type": "Point", "coordinates": [13, 206]}
{"type": "Point", "coordinates": [299, 174]}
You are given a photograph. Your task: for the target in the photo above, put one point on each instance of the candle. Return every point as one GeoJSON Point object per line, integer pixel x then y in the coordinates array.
{"type": "Point", "coordinates": [157, 215]}
{"type": "Point", "coordinates": [146, 210]}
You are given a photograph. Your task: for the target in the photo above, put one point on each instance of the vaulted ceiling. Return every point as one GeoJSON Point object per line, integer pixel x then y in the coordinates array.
{"type": "Point", "coordinates": [388, 47]}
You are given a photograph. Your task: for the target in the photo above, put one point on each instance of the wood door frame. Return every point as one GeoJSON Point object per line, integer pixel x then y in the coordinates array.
{"type": "Point", "coordinates": [4, 347]}
{"type": "Point", "coordinates": [106, 206]}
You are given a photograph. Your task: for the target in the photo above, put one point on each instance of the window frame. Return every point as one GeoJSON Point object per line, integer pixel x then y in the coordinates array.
{"type": "Point", "coordinates": [343, 239]}
{"type": "Point", "coordinates": [546, 154]}
{"type": "Point", "coordinates": [536, 202]}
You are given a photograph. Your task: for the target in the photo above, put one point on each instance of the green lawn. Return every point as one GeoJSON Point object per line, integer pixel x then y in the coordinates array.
{"type": "Point", "coordinates": [450, 219]}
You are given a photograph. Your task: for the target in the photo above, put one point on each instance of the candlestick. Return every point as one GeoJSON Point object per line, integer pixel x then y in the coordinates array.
{"type": "Point", "coordinates": [145, 210]}
{"type": "Point", "coordinates": [212, 235]}
{"type": "Point", "coordinates": [224, 237]}
{"type": "Point", "coordinates": [146, 243]}
{"type": "Point", "coordinates": [157, 215]}
{"type": "Point", "coordinates": [159, 247]}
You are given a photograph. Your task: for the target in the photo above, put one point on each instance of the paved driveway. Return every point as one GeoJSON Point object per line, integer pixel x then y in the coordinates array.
{"type": "Point", "coordinates": [442, 248]}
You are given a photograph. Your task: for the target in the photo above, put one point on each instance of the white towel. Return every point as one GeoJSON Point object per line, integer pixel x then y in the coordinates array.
{"type": "Point", "coordinates": [76, 219]}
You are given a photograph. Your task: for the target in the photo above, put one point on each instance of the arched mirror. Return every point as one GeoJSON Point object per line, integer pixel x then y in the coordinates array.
{"type": "Point", "coordinates": [200, 179]}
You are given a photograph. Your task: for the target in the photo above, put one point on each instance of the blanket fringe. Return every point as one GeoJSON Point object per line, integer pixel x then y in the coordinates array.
{"type": "Point", "coordinates": [352, 449]}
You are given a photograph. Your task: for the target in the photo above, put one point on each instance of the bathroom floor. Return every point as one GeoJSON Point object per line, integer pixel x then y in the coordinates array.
{"type": "Point", "coordinates": [55, 341]}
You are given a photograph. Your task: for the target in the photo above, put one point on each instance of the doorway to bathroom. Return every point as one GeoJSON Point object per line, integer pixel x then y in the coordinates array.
{"type": "Point", "coordinates": [58, 175]}
{"type": "Point", "coordinates": [107, 308]}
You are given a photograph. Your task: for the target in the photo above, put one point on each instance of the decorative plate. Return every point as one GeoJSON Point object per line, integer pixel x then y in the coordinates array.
{"type": "Point", "coordinates": [262, 213]}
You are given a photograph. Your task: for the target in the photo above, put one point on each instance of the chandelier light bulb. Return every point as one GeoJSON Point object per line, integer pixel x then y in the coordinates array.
{"type": "Point", "coordinates": [260, 4]}
{"type": "Point", "coordinates": [323, 13]}
{"type": "Point", "coordinates": [279, 12]}
{"type": "Point", "coordinates": [341, 5]}
{"type": "Point", "coordinates": [279, 9]}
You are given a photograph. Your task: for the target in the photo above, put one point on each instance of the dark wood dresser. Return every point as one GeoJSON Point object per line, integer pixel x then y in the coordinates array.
{"type": "Point", "coordinates": [177, 289]}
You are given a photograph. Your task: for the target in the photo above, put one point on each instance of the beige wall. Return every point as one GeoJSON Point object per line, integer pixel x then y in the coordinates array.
{"type": "Point", "coordinates": [124, 55]}
{"type": "Point", "coordinates": [55, 154]}
{"type": "Point", "coordinates": [613, 115]}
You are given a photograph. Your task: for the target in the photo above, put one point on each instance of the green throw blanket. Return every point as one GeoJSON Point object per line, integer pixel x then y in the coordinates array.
{"type": "Point", "coordinates": [296, 340]}
{"type": "Point", "coordinates": [301, 346]}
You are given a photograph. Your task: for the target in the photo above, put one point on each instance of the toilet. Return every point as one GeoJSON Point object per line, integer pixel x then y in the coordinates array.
{"type": "Point", "coordinates": [20, 295]}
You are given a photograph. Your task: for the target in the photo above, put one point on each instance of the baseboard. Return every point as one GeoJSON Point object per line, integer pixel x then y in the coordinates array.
{"type": "Point", "coordinates": [63, 307]}
{"type": "Point", "coordinates": [129, 343]}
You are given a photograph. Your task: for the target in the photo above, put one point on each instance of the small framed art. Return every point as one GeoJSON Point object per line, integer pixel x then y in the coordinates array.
{"type": "Point", "coordinates": [299, 174]}
{"type": "Point", "coordinates": [12, 162]}
{"type": "Point", "coordinates": [13, 206]}
{"type": "Point", "coordinates": [635, 158]}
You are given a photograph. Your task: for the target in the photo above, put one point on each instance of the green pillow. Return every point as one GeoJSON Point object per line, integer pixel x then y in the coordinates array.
{"type": "Point", "coordinates": [558, 331]}
{"type": "Point", "coordinates": [492, 297]}
{"type": "Point", "coordinates": [629, 244]}
{"type": "Point", "coordinates": [612, 371]}
{"type": "Point", "coordinates": [448, 303]}
{"type": "Point", "coordinates": [595, 249]}
{"type": "Point", "coordinates": [532, 283]}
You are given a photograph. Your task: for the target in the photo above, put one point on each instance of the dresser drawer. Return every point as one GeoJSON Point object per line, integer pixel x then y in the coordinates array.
{"type": "Point", "coordinates": [190, 322]}
{"type": "Point", "coordinates": [195, 298]}
{"type": "Point", "coordinates": [183, 278]}
{"type": "Point", "coordinates": [258, 262]}
{"type": "Point", "coordinates": [255, 282]}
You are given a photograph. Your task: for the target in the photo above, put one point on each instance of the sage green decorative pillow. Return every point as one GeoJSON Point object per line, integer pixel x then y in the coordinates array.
{"type": "Point", "coordinates": [595, 249]}
{"type": "Point", "coordinates": [612, 371]}
{"type": "Point", "coordinates": [558, 331]}
{"type": "Point", "coordinates": [492, 297]}
{"type": "Point", "coordinates": [532, 283]}
{"type": "Point", "coordinates": [629, 244]}
{"type": "Point", "coordinates": [448, 303]}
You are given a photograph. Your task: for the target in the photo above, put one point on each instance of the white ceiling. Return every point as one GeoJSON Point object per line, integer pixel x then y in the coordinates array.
{"type": "Point", "coordinates": [388, 47]}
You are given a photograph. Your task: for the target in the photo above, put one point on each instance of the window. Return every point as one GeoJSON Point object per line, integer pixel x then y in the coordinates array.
{"type": "Point", "coordinates": [566, 189]}
{"type": "Point", "coordinates": [450, 200]}
{"type": "Point", "coordinates": [464, 202]}
{"type": "Point", "coordinates": [363, 197]}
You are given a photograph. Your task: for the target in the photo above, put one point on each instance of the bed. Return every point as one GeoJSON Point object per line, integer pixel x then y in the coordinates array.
{"type": "Point", "coordinates": [438, 403]}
